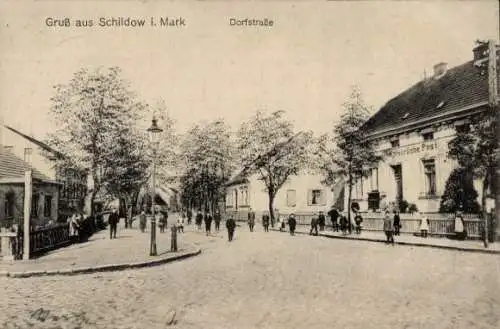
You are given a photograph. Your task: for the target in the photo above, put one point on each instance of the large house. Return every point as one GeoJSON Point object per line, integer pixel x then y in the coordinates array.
{"type": "Point", "coordinates": [73, 181]}
{"type": "Point", "coordinates": [301, 194]}
{"type": "Point", "coordinates": [45, 192]}
{"type": "Point", "coordinates": [412, 132]}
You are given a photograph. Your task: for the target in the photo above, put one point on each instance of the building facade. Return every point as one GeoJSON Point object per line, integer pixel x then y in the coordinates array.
{"type": "Point", "coordinates": [45, 193]}
{"type": "Point", "coordinates": [301, 194]}
{"type": "Point", "coordinates": [73, 181]}
{"type": "Point", "coordinates": [412, 131]}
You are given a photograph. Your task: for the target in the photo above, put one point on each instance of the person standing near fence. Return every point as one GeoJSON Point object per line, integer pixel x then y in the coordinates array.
{"type": "Point", "coordinates": [251, 219]}
{"type": "Point", "coordinates": [334, 216]}
{"type": "Point", "coordinates": [292, 223]}
{"type": "Point", "coordinates": [397, 222]}
{"type": "Point", "coordinates": [460, 233]}
{"type": "Point", "coordinates": [199, 220]}
{"type": "Point", "coordinates": [113, 223]}
{"type": "Point", "coordinates": [424, 225]}
{"type": "Point", "coordinates": [314, 225]}
{"type": "Point", "coordinates": [358, 219]}
{"type": "Point", "coordinates": [321, 221]}
{"type": "Point", "coordinates": [388, 228]}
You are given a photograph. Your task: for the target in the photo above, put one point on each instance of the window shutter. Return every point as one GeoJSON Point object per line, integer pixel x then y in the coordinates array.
{"type": "Point", "coordinates": [309, 197]}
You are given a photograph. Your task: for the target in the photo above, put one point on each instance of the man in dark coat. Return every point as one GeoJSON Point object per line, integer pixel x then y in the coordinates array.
{"type": "Point", "coordinates": [334, 215]}
{"type": "Point", "coordinates": [292, 222]}
{"type": "Point", "coordinates": [265, 222]}
{"type": "Point", "coordinates": [230, 225]}
{"type": "Point", "coordinates": [314, 225]}
{"type": "Point", "coordinates": [397, 223]}
{"type": "Point", "coordinates": [189, 216]}
{"type": "Point", "coordinates": [321, 221]}
{"type": "Point", "coordinates": [113, 223]}
{"type": "Point", "coordinates": [208, 222]}
{"type": "Point", "coordinates": [217, 219]}
{"type": "Point", "coordinates": [251, 220]}
{"type": "Point", "coordinates": [199, 220]}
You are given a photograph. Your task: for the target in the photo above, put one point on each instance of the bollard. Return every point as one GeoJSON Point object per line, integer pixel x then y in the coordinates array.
{"type": "Point", "coordinates": [173, 245]}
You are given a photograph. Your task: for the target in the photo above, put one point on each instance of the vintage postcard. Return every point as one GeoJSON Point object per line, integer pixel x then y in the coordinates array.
{"type": "Point", "coordinates": [249, 164]}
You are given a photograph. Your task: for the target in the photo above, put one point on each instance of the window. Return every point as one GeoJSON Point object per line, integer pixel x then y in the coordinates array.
{"type": "Point", "coordinates": [34, 205]}
{"type": "Point", "coordinates": [428, 136]}
{"type": "Point", "coordinates": [47, 209]}
{"type": "Point", "coordinates": [462, 129]}
{"type": "Point", "coordinates": [374, 179]}
{"type": "Point", "coordinates": [10, 201]}
{"type": "Point", "coordinates": [430, 177]}
{"type": "Point", "coordinates": [316, 197]}
{"type": "Point", "coordinates": [395, 143]}
{"type": "Point", "coordinates": [358, 188]}
{"type": "Point", "coordinates": [291, 198]}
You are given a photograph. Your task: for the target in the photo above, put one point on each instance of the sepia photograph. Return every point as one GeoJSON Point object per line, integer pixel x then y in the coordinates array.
{"type": "Point", "coordinates": [249, 164]}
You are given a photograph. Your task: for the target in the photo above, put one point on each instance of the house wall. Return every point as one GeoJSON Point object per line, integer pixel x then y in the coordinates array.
{"type": "Point", "coordinates": [254, 195]}
{"type": "Point", "coordinates": [411, 153]}
{"type": "Point", "coordinates": [42, 191]}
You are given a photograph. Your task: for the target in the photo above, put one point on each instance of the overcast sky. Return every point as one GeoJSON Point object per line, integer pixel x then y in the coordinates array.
{"type": "Point", "coordinates": [305, 64]}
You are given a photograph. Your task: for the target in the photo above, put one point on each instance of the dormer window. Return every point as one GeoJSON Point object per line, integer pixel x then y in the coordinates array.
{"type": "Point", "coordinates": [428, 134]}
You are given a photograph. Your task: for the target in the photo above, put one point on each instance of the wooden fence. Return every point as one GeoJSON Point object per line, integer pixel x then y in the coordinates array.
{"type": "Point", "coordinates": [42, 240]}
{"type": "Point", "coordinates": [441, 225]}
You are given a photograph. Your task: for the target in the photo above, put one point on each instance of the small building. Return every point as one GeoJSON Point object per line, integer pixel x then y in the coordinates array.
{"type": "Point", "coordinates": [45, 195]}
{"type": "Point", "coordinates": [301, 194]}
{"type": "Point", "coordinates": [412, 132]}
{"type": "Point", "coordinates": [73, 180]}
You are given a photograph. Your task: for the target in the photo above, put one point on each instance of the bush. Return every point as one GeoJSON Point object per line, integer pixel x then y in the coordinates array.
{"type": "Point", "coordinates": [459, 193]}
{"type": "Point", "coordinates": [412, 208]}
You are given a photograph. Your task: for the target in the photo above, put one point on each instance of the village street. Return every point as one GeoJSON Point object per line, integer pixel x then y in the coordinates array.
{"type": "Point", "coordinates": [270, 280]}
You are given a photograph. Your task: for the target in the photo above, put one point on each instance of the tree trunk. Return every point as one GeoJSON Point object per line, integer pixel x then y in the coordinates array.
{"type": "Point", "coordinates": [349, 196]}
{"type": "Point", "coordinates": [271, 205]}
{"type": "Point", "coordinates": [485, 213]}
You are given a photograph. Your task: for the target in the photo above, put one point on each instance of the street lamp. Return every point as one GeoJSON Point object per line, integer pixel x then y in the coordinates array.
{"type": "Point", "coordinates": [154, 133]}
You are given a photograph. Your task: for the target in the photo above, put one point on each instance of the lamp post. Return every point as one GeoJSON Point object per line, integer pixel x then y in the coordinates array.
{"type": "Point", "coordinates": [154, 132]}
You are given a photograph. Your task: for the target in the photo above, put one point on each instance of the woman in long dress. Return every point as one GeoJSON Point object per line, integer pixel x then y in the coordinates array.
{"type": "Point", "coordinates": [424, 225]}
{"type": "Point", "coordinates": [460, 233]}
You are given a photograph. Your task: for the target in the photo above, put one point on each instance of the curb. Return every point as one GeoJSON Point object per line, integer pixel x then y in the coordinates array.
{"type": "Point", "coordinates": [101, 268]}
{"type": "Point", "coordinates": [413, 244]}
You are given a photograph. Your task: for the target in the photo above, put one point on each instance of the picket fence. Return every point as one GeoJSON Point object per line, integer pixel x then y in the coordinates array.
{"type": "Point", "coordinates": [440, 225]}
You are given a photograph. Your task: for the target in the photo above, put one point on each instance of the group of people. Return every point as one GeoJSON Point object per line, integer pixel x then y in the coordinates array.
{"type": "Point", "coordinates": [207, 218]}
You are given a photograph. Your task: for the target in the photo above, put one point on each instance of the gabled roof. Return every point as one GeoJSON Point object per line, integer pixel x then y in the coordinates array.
{"type": "Point", "coordinates": [463, 87]}
{"type": "Point", "coordinates": [40, 144]}
{"type": "Point", "coordinates": [12, 169]}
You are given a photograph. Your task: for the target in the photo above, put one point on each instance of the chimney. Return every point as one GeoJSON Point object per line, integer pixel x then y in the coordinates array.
{"type": "Point", "coordinates": [480, 52]}
{"type": "Point", "coordinates": [27, 155]}
{"type": "Point", "coordinates": [440, 69]}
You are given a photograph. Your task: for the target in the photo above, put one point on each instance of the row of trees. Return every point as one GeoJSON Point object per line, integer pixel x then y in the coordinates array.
{"type": "Point", "coordinates": [102, 128]}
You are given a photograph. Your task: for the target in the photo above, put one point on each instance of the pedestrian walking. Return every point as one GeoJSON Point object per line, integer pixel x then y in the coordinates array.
{"type": "Point", "coordinates": [189, 216]}
{"type": "Point", "coordinates": [74, 227]}
{"type": "Point", "coordinates": [388, 228]}
{"type": "Point", "coordinates": [160, 219]}
{"type": "Point", "coordinates": [208, 222]}
{"type": "Point", "coordinates": [358, 219]}
{"type": "Point", "coordinates": [397, 223]}
{"type": "Point", "coordinates": [180, 224]}
{"type": "Point", "coordinates": [424, 225]}
{"type": "Point", "coordinates": [142, 221]}
{"type": "Point", "coordinates": [217, 219]}
{"type": "Point", "coordinates": [199, 219]}
{"type": "Point", "coordinates": [292, 223]}
{"type": "Point", "coordinates": [113, 223]}
{"type": "Point", "coordinates": [314, 224]}
{"type": "Point", "coordinates": [321, 221]}
{"type": "Point", "coordinates": [251, 219]}
{"type": "Point", "coordinates": [265, 221]}
{"type": "Point", "coordinates": [230, 226]}
{"type": "Point", "coordinates": [334, 215]}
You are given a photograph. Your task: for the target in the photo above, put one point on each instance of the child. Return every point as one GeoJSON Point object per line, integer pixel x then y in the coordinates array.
{"type": "Point", "coordinates": [358, 220]}
{"type": "Point", "coordinates": [424, 225]}
{"type": "Point", "coordinates": [388, 228]}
